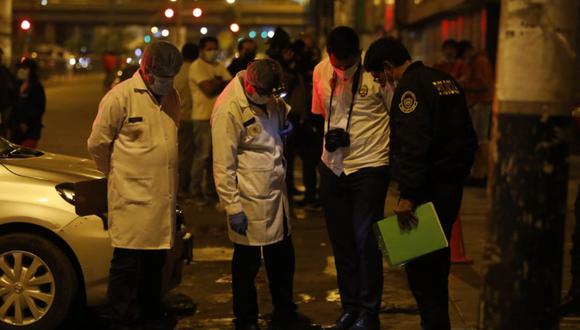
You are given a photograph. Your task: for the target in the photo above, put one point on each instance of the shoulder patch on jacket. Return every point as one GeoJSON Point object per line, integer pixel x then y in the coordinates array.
{"type": "Point", "coordinates": [408, 102]}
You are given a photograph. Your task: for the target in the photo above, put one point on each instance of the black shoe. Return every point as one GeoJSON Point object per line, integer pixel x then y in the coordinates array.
{"type": "Point", "coordinates": [345, 321]}
{"type": "Point", "coordinates": [293, 321]}
{"type": "Point", "coordinates": [570, 305]}
{"type": "Point", "coordinates": [366, 321]}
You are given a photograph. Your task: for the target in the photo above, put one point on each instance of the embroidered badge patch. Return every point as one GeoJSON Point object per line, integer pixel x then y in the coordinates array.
{"type": "Point", "coordinates": [363, 91]}
{"type": "Point", "coordinates": [254, 130]}
{"type": "Point", "coordinates": [408, 102]}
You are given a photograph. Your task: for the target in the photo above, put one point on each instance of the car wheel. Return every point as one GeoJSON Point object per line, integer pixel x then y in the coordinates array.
{"type": "Point", "coordinates": [37, 283]}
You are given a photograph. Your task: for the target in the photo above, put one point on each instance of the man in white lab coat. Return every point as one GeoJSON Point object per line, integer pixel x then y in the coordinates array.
{"type": "Point", "coordinates": [134, 143]}
{"type": "Point", "coordinates": [248, 128]}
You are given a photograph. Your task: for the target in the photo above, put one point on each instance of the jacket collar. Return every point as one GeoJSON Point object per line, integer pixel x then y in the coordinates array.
{"type": "Point", "coordinates": [414, 66]}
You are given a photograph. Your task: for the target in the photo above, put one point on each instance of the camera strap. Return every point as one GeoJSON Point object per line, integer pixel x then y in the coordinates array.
{"type": "Point", "coordinates": [355, 83]}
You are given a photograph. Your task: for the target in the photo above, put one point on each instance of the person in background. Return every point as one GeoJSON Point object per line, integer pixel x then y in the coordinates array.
{"type": "Point", "coordinates": [478, 84]}
{"type": "Point", "coordinates": [207, 79]}
{"type": "Point", "coordinates": [190, 52]}
{"type": "Point", "coordinates": [432, 149]}
{"type": "Point", "coordinates": [247, 50]}
{"type": "Point", "coordinates": [26, 118]}
{"type": "Point", "coordinates": [8, 95]}
{"type": "Point", "coordinates": [451, 62]}
{"type": "Point", "coordinates": [134, 143]}
{"type": "Point", "coordinates": [354, 174]}
{"type": "Point", "coordinates": [248, 129]}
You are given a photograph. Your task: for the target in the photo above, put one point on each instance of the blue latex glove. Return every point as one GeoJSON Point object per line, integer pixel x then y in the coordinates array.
{"type": "Point", "coordinates": [287, 129]}
{"type": "Point", "coordinates": [239, 223]}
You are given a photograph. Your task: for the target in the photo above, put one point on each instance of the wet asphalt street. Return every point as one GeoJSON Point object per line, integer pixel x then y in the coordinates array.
{"type": "Point", "coordinates": [207, 281]}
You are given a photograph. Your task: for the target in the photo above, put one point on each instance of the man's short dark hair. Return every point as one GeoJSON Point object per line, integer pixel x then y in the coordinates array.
{"type": "Point", "coordinates": [243, 41]}
{"type": "Point", "coordinates": [462, 47]}
{"type": "Point", "coordinates": [450, 43]}
{"type": "Point", "coordinates": [190, 51]}
{"type": "Point", "coordinates": [385, 49]}
{"type": "Point", "coordinates": [205, 40]}
{"type": "Point", "coordinates": [343, 42]}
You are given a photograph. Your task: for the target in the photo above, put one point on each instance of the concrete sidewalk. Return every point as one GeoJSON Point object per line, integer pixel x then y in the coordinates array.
{"type": "Point", "coordinates": [208, 282]}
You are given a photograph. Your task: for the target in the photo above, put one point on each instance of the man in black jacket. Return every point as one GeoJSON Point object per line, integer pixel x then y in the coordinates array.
{"type": "Point", "coordinates": [432, 149]}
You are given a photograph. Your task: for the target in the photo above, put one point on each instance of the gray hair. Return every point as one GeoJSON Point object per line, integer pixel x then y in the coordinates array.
{"type": "Point", "coordinates": [161, 58]}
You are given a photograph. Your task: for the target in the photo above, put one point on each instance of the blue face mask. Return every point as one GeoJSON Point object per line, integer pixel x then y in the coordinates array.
{"type": "Point", "coordinates": [161, 85]}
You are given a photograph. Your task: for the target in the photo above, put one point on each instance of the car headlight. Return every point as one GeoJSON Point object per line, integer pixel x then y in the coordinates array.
{"type": "Point", "coordinates": [67, 192]}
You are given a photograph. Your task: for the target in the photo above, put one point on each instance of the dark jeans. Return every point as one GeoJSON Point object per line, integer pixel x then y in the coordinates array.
{"type": "Point", "coordinates": [428, 275]}
{"type": "Point", "coordinates": [185, 137]}
{"type": "Point", "coordinates": [352, 204]}
{"type": "Point", "coordinates": [279, 261]}
{"type": "Point", "coordinates": [575, 251]}
{"type": "Point", "coordinates": [305, 142]}
{"type": "Point", "coordinates": [134, 290]}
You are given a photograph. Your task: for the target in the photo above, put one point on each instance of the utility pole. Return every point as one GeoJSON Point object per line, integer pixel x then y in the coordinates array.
{"type": "Point", "coordinates": [534, 90]}
{"type": "Point", "coordinates": [6, 30]}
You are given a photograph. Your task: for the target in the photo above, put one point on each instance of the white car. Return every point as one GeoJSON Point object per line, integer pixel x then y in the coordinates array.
{"type": "Point", "coordinates": [51, 259]}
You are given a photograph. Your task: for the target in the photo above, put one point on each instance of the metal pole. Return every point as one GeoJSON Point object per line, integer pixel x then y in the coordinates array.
{"type": "Point", "coordinates": [523, 256]}
{"type": "Point", "coordinates": [6, 30]}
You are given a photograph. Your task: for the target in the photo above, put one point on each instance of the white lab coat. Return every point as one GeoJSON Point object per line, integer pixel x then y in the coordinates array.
{"type": "Point", "coordinates": [249, 166]}
{"type": "Point", "coordinates": [134, 142]}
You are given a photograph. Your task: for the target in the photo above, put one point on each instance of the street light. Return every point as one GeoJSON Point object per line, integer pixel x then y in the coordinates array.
{"type": "Point", "coordinates": [197, 12]}
{"type": "Point", "coordinates": [203, 30]}
{"type": "Point", "coordinates": [169, 13]}
{"type": "Point", "coordinates": [230, 1]}
{"type": "Point", "coordinates": [25, 25]}
{"type": "Point", "coordinates": [43, 2]}
{"type": "Point", "coordinates": [234, 27]}
{"type": "Point", "coordinates": [154, 29]}
{"type": "Point", "coordinates": [165, 32]}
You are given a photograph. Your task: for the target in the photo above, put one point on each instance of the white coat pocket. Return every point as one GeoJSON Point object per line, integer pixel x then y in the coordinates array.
{"type": "Point", "coordinates": [137, 191]}
{"type": "Point", "coordinates": [255, 183]}
{"type": "Point", "coordinates": [137, 134]}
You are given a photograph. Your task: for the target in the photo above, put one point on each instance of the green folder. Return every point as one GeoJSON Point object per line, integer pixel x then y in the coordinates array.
{"type": "Point", "coordinates": [401, 247]}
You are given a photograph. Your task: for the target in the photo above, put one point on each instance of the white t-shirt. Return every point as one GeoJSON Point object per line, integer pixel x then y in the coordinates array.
{"type": "Point", "coordinates": [369, 125]}
{"type": "Point", "coordinates": [201, 71]}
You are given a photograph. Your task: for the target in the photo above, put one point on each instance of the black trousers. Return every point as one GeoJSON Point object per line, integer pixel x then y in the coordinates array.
{"type": "Point", "coordinates": [575, 251]}
{"type": "Point", "coordinates": [352, 204]}
{"type": "Point", "coordinates": [185, 137]}
{"type": "Point", "coordinates": [306, 142]}
{"type": "Point", "coordinates": [134, 289]}
{"type": "Point", "coordinates": [428, 275]}
{"type": "Point", "coordinates": [279, 261]}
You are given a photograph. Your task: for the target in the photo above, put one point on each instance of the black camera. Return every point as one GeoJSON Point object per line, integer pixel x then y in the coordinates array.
{"type": "Point", "coordinates": [336, 138]}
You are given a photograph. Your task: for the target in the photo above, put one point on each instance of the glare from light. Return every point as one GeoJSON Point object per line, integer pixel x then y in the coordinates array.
{"type": "Point", "coordinates": [197, 12]}
{"type": "Point", "coordinates": [169, 13]}
{"type": "Point", "coordinates": [129, 60]}
{"type": "Point", "coordinates": [165, 32]}
{"type": "Point", "coordinates": [203, 30]}
{"type": "Point", "coordinates": [138, 52]}
{"type": "Point", "coordinates": [147, 39]}
{"type": "Point", "coordinates": [154, 29]}
{"type": "Point", "coordinates": [231, 1]}
{"type": "Point", "coordinates": [72, 61]}
{"type": "Point", "coordinates": [235, 27]}
{"type": "Point", "coordinates": [43, 2]}
{"type": "Point", "coordinates": [25, 24]}
{"type": "Point", "coordinates": [140, 61]}
{"type": "Point", "coordinates": [34, 55]}
{"type": "Point", "coordinates": [271, 34]}
{"type": "Point", "coordinates": [264, 35]}
{"type": "Point", "coordinates": [43, 200]}
{"type": "Point", "coordinates": [173, 0]}
{"type": "Point", "coordinates": [252, 34]}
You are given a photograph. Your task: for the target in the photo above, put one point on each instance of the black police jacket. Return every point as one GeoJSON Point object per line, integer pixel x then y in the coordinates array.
{"type": "Point", "coordinates": [432, 136]}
